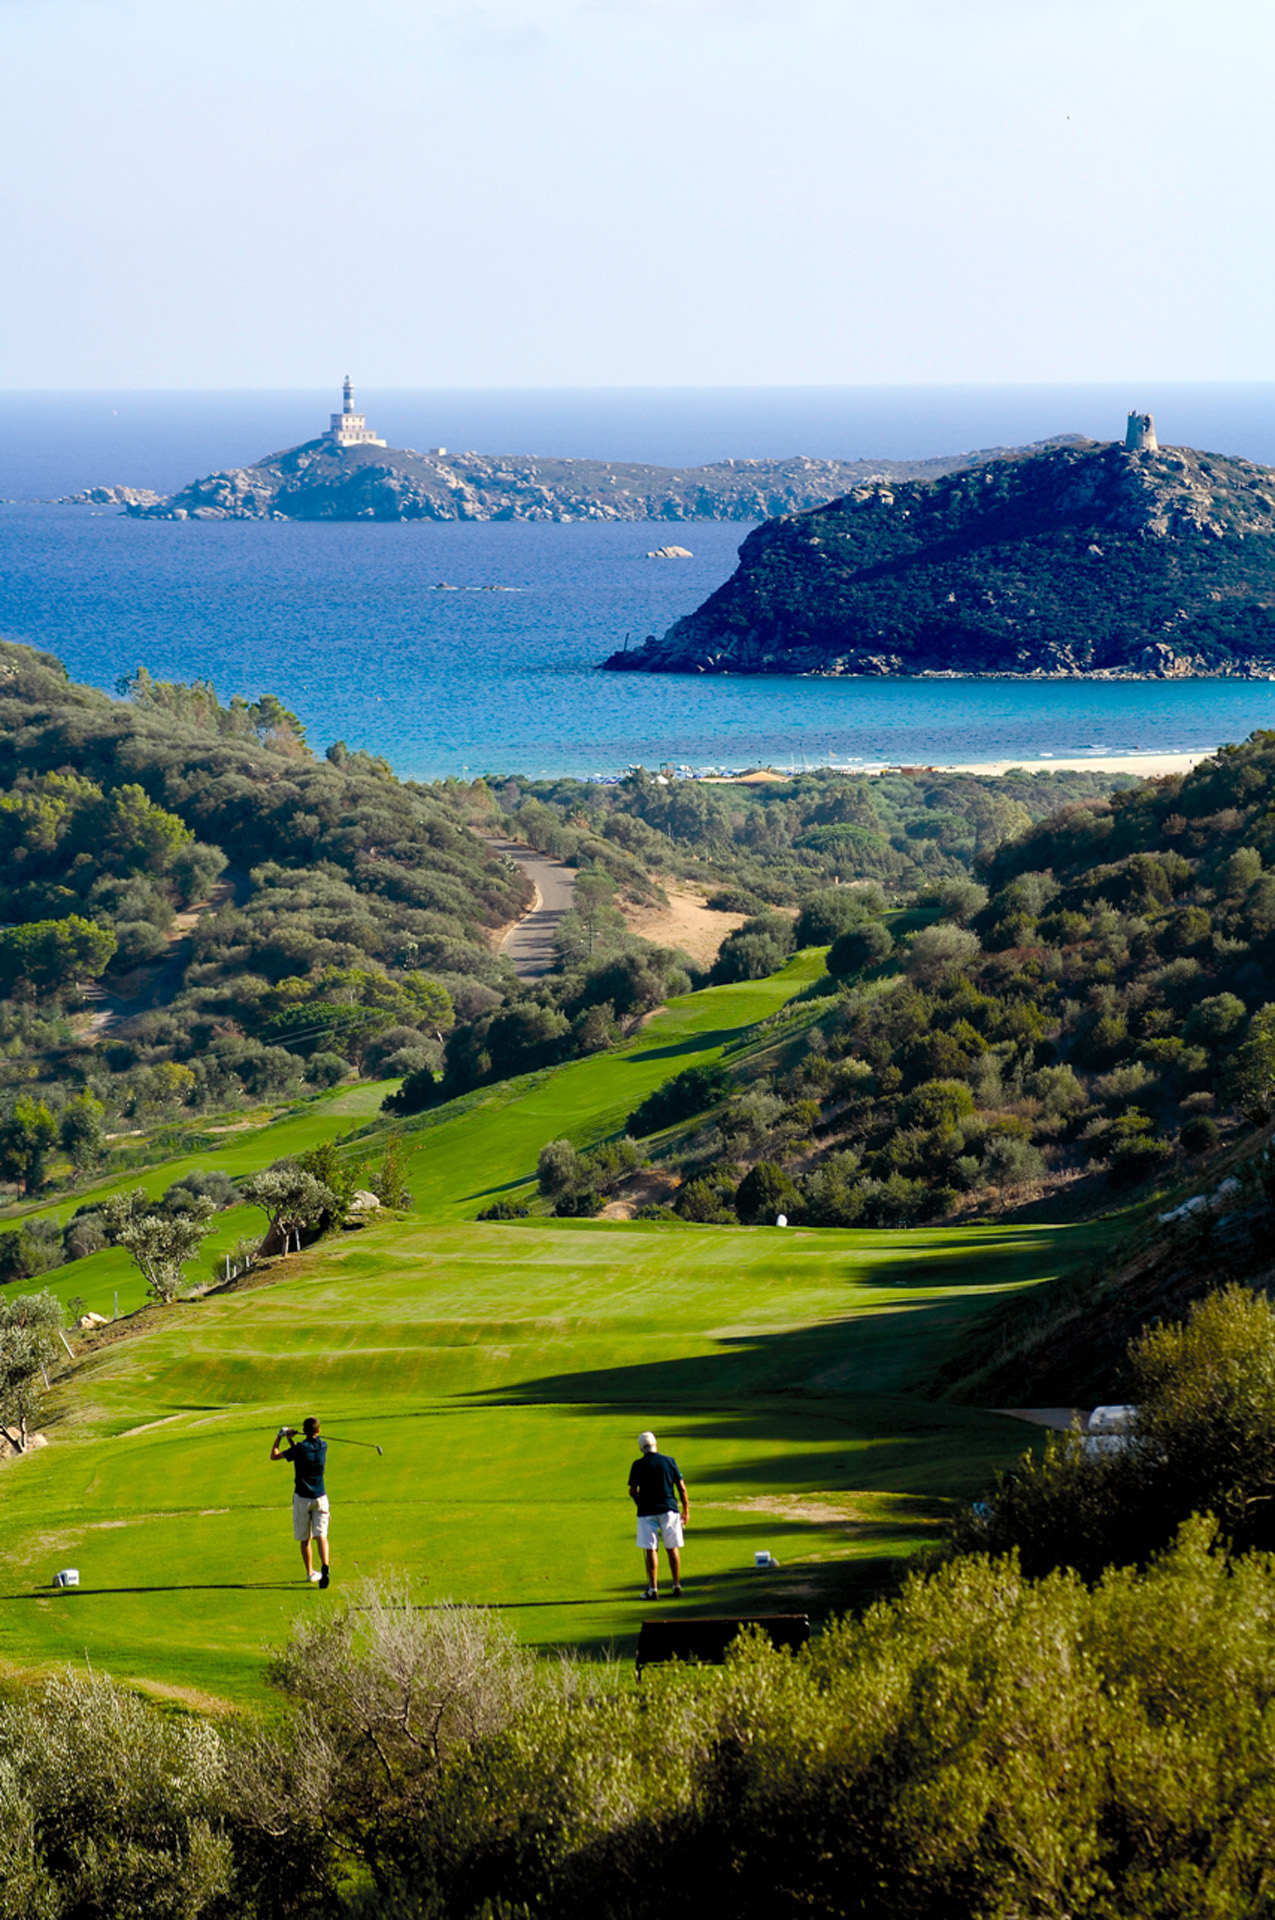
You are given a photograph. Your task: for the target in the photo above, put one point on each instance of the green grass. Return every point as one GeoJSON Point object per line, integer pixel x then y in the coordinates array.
{"type": "Point", "coordinates": [462, 1155]}
{"type": "Point", "coordinates": [463, 1159]}
{"type": "Point", "coordinates": [506, 1370]}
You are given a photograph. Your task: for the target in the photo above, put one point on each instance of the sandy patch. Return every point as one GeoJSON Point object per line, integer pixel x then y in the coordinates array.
{"type": "Point", "coordinates": [1147, 765]}
{"type": "Point", "coordinates": [650, 1188]}
{"type": "Point", "coordinates": [685, 922]}
{"type": "Point", "coordinates": [757, 778]}
{"type": "Point", "coordinates": [847, 1512]}
{"type": "Point", "coordinates": [34, 1442]}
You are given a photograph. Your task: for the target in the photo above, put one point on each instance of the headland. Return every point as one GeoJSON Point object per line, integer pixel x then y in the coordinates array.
{"type": "Point", "coordinates": [350, 473]}
{"type": "Point", "coordinates": [1095, 559]}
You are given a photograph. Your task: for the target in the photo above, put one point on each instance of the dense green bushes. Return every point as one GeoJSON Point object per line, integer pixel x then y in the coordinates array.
{"type": "Point", "coordinates": [1203, 1440]}
{"type": "Point", "coordinates": [783, 842]}
{"type": "Point", "coordinates": [1096, 1016]}
{"type": "Point", "coordinates": [336, 904]}
{"type": "Point", "coordinates": [984, 1746]}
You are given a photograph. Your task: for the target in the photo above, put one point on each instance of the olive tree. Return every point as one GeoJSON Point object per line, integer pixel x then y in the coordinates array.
{"type": "Point", "coordinates": [29, 1327]}
{"type": "Point", "coordinates": [161, 1243]}
{"type": "Point", "coordinates": [291, 1199]}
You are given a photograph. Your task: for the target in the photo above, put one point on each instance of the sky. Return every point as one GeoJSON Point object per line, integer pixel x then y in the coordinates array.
{"type": "Point", "coordinates": [526, 193]}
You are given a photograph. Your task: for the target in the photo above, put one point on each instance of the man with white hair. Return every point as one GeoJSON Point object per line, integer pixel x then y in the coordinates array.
{"type": "Point", "coordinates": [658, 1489]}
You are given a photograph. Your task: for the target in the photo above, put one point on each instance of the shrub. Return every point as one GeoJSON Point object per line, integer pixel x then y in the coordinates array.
{"type": "Point", "coordinates": [1203, 1442]}
{"type": "Point", "coordinates": [678, 1099]}
{"type": "Point", "coordinates": [582, 1203]}
{"type": "Point", "coordinates": [758, 948]}
{"type": "Point", "coordinates": [504, 1210]}
{"type": "Point", "coordinates": [860, 947]}
{"type": "Point", "coordinates": [765, 1192]}
{"type": "Point", "coordinates": [832, 910]}
{"type": "Point", "coordinates": [416, 1093]}
{"type": "Point", "coordinates": [936, 1103]}
{"type": "Point", "coordinates": [1010, 1162]}
{"type": "Point", "coordinates": [938, 952]}
{"type": "Point", "coordinates": [324, 1070]}
{"type": "Point", "coordinates": [1198, 1134]}
{"type": "Point", "coordinates": [85, 1234]}
{"type": "Point", "coordinates": [557, 1169]}
{"type": "Point", "coordinates": [605, 1166]}
{"type": "Point", "coordinates": [215, 1186]}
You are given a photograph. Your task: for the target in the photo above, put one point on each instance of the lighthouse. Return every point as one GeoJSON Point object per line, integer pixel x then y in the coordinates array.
{"type": "Point", "coordinates": [350, 429]}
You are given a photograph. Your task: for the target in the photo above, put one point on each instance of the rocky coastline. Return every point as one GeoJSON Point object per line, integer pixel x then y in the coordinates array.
{"type": "Point", "coordinates": [1073, 560]}
{"type": "Point", "coordinates": [323, 480]}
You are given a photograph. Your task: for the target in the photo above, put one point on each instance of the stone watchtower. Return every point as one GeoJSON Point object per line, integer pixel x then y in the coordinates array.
{"type": "Point", "coordinates": [350, 429]}
{"type": "Point", "coordinates": [1139, 435]}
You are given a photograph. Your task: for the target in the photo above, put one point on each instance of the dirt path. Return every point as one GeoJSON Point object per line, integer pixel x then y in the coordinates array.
{"type": "Point", "coordinates": [529, 943]}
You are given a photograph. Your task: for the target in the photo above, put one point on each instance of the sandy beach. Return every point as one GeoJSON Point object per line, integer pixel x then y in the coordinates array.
{"type": "Point", "coordinates": [1148, 766]}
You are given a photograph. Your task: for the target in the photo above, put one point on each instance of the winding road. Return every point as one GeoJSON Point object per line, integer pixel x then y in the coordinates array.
{"type": "Point", "coordinates": [529, 943]}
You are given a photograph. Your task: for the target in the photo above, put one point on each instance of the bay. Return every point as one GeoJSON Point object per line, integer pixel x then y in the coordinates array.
{"type": "Point", "coordinates": [465, 648]}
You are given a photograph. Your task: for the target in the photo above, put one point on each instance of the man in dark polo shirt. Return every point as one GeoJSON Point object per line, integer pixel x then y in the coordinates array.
{"type": "Point", "coordinates": [309, 1495]}
{"type": "Point", "coordinates": [658, 1490]}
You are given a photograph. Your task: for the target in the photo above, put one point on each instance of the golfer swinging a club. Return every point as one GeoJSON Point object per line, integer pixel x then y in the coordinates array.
{"type": "Point", "coordinates": [309, 1496]}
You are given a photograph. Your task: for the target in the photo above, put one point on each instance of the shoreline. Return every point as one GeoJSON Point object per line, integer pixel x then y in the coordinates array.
{"type": "Point", "coordinates": [1151, 766]}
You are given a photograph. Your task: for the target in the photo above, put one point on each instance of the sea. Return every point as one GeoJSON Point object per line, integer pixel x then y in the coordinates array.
{"type": "Point", "coordinates": [460, 649]}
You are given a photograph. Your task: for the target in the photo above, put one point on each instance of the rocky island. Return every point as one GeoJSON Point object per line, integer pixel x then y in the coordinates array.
{"type": "Point", "coordinates": [349, 473]}
{"type": "Point", "coordinates": [1096, 558]}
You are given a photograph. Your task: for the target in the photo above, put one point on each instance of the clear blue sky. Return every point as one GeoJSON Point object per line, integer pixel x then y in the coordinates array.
{"type": "Point", "coordinates": [634, 192]}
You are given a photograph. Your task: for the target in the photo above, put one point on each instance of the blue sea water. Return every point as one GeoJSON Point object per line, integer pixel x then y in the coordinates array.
{"type": "Point", "coordinates": [348, 625]}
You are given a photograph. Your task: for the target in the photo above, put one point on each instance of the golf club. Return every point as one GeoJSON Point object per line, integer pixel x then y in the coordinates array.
{"type": "Point", "coordinates": [341, 1440]}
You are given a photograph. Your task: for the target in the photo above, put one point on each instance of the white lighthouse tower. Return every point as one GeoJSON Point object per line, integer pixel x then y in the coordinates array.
{"type": "Point", "coordinates": [350, 429]}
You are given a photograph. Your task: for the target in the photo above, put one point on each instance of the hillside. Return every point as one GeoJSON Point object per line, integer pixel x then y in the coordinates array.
{"type": "Point", "coordinates": [320, 480]}
{"type": "Point", "coordinates": [198, 913]}
{"type": "Point", "coordinates": [1079, 559]}
{"type": "Point", "coordinates": [1097, 1019]}
{"type": "Point", "coordinates": [517, 1347]}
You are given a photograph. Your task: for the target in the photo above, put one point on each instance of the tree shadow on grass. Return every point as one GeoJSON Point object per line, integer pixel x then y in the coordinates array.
{"type": "Point", "coordinates": [887, 1347]}
{"type": "Point", "coordinates": [185, 1586]}
{"type": "Point", "coordinates": [693, 1043]}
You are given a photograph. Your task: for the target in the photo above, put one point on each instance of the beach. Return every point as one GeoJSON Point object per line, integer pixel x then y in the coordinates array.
{"type": "Point", "coordinates": [1148, 766]}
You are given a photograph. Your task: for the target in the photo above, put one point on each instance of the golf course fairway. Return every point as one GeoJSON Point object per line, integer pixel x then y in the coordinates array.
{"type": "Point", "coordinates": [505, 1369]}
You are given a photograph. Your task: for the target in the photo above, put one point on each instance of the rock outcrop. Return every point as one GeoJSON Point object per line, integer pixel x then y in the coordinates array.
{"type": "Point", "coordinates": [323, 481]}
{"type": "Point", "coordinates": [1075, 559]}
{"type": "Point", "coordinates": [113, 497]}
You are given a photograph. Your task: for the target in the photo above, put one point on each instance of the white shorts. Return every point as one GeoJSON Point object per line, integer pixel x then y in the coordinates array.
{"type": "Point", "coordinates": [654, 1527]}
{"type": "Point", "coordinates": [309, 1517]}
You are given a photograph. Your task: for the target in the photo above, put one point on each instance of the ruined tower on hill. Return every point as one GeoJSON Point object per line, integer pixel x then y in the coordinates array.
{"type": "Point", "coordinates": [350, 429]}
{"type": "Point", "coordinates": [1139, 435]}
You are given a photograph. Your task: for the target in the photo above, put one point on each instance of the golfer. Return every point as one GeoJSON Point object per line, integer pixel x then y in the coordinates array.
{"type": "Point", "coordinates": [658, 1489]}
{"type": "Point", "coordinates": [309, 1495]}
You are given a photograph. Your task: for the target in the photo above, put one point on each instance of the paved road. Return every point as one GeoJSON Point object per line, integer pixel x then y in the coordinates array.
{"type": "Point", "coordinates": [530, 943]}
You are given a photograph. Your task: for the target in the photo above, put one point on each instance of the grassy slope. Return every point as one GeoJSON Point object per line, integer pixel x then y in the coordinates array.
{"type": "Point", "coordinates": [506, 1370]}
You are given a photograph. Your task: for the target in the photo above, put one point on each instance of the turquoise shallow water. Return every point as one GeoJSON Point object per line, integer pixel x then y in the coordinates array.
{"type": "Point", "coordinates": [346, 625]}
